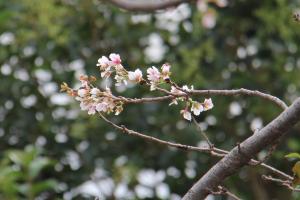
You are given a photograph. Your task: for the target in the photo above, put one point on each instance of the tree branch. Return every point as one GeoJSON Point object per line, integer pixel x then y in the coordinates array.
{"type": "Point", "coordinates": [146, 5]}
{"type": "Point", "coordinates": [221, 92]}
{"type": "Point", "coordinates": [212, 150]}
{"type": "Point", "coordinates": [156, 140]}
{"type": "Point", "coordinates": [236, 159]}
{"type": "Point", "coordinates": [241, 91]}
{"type": "Point", "coordinates": [224, 191]}
{"type": "Point", "coordinates": [287, 183]}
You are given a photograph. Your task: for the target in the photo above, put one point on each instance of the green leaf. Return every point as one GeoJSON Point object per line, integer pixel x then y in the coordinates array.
{"type": "Point", "coordinates": [296, 171]}
{"type": "Point", "coordinates": [42, 186]}
{"type": "Point", "coordinates": [293, 155]}
{"type": "Point", "coordinates": [37, 165]}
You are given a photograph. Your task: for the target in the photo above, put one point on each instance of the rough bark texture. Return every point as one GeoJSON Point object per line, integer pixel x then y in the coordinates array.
{"type": "Point", "coordinates": [240, 155]}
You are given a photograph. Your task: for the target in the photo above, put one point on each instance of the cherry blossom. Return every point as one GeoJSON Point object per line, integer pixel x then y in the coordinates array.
{"type": "Point", "coordinates": [103, 62]}
{"type": "Point", "coordinates": [102, 107]}
{"type": "Point", "coordinates": [135, 76]}
{"type": "Point", "coordinates": [153, 74]}
{"type": "Point", "coordinates": [165, 71]}
{"type": "Point", "coordinates": [208, 104]}
{"type": "Point", "coordinates": [197, 108]}
{"type": "Point", "coordinates": [82, 92]}
{"type": "Point", "coordinates": [186, 114]}
{"type": "Point", "coordinates": [176, 91]}
{"type": "Point", "coordinates": [84, 81]}
{"type": "Point", "coordinates": [115, 59]}
{"type": "Point", "coordinates": [120, 80]}
{"type": "Point", "coordinates": [92, 109]}
{"type": "Point", "coordinates": [94, 91]}
{"type": "Point", "coordinates": [186, 88]}
{"type": "Point", "coordinates": [95, 100]}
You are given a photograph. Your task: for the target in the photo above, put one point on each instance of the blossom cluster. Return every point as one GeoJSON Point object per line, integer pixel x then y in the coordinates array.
{"type": "Point", "coordinates": [93, 99]}
{"type": "Point", "coordinates": [113, 64]}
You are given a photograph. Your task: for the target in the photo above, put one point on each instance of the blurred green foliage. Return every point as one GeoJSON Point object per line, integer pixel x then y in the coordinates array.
{"type": "Point", "coordinates": [20, 171]}
{"type": "Point", "coordinates": [255, 45]}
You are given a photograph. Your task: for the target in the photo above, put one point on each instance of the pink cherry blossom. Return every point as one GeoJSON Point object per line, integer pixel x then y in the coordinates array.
{"type": "Point", "coordinates": [208, 104]}
{"type": "Point", "coordinates": [165, 69]}
{"type": "Point", "coordinates": [153, 74]}
{"type": "Point", "coordinates": [102, 107]}
{"type": "Point", "coordinates": [92, 109]}
{"type": "Point", "coordinates": [115, 59]}
{"type": "Point", "coordinates": [186, 114]}
{"type": "Point", "coordinates": [135, 76]}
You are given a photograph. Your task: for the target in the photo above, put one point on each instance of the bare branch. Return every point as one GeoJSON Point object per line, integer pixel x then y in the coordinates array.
{"type": "Point", "coordinates": [202, 133]}
{"type": "Point", "coordinates": [287, 183]}
{"type": "Point", "coordinates": [270, 152]}
{"type": "Point", "coordinates": [212, 150]}
{"type": "Point", "coordinates": [275, 171]}
{"type": "Point", "coordinates": [233, 161]}
{"type": "Point", "coordinates": [235, 92]}
{"type": "Point", "coordinates": [241, 91]}
{"type": "Point", "coordinates": [156, 140]}
{"type": "Point", "coordinates": [223, 191]}
{"type": "Point", "coordinates": [146, 5]}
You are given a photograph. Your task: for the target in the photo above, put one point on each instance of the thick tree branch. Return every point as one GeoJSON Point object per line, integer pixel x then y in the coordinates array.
{"type": "Point", "coordinates": [238, 157]}
{"type": "Point", "coordinates": [146, 5]}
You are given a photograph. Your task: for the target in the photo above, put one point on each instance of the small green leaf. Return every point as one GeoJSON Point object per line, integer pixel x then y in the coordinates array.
{"type": "Point", "coordinates": [37, 165]}
{"type": "Point", "coordinates": [293, 155]}
{"type": "Point", "coordinates": [296, 171]}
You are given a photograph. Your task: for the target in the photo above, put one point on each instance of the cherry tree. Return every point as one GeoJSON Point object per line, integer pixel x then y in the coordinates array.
{"type": "Point", "coordinates": [190, 102]}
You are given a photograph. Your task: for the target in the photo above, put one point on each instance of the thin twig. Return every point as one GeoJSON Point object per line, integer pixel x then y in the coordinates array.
{"type": "Point", "coordinates": [241, 91]}
{"type": "Point", "coordinates": [154, 139]}
{"type": "Point", "coordinates": [224, 191]}
{"type": "Point", "coordinates": [230, 194]}
{"type": "Point", "coordinates": [202, 133]}
{"type": "Point", "coordinates": [286, 183]}
{"type": "Point", "coordinates": [270, 152]}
